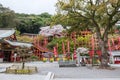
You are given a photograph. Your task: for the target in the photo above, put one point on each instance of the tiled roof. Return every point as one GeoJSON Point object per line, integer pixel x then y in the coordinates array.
{"type": "Point", "coordinates": [20, 44]}
{"type": "Point", "coordinates": [6, 33]}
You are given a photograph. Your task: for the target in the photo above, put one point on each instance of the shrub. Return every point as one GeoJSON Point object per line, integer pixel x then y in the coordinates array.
{"type": "Point", "coordinates": [33, 57]}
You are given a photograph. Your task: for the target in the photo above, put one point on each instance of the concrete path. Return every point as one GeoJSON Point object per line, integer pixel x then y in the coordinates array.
{"type": "Point", "coordinates": [21, 77]}
{"type": "Point", "coordinates": [64, 73]}
{"type": "Point", "coordinates": [78, 72]}
{"type": "Point", "coordinates": [88, 79]}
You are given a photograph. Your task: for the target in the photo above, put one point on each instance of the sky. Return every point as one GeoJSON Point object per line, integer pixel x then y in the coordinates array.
{"type": "Point", "coordinates": [30, 6]}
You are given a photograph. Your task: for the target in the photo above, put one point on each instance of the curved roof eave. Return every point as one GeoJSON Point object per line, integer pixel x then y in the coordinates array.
{"type": "Point", "coordinates": [6, 33]}
{"type": "Point", "coordinates": [20, 44]}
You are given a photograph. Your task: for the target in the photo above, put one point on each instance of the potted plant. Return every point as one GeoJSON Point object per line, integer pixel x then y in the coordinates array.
{"type": "Point", "coordinates": [51, 59]}
{"type": "Point", "coordinates": [44, 59]}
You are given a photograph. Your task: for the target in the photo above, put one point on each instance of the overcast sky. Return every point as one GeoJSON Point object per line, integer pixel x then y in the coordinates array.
{"type": "Point", "coordinates": [30, 6]}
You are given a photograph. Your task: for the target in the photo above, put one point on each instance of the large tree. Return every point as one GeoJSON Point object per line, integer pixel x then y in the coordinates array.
{"type": "Point", "coordinates": [100, 14]}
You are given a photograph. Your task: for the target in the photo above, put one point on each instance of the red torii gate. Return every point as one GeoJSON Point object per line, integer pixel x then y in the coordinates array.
{"type": "Point", "coordinates": [113, 44]}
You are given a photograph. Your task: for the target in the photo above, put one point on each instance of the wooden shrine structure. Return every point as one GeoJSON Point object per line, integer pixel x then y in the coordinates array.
{"type": "Point", "coordinates": [8, 45]}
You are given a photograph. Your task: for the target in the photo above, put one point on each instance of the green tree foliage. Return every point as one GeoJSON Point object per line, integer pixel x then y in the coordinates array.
{"type": "Point", "coordinates": [25, 23]}
{"type": "Point", "coordinates": [31, 23]}
{"type": "Point", "coordinates": [7, 18]}
{"type": "Point", "coordinates": [97, 14]}
{"type": "Point", "coordinates": [46, 18]}
{"type": "Point", "coordinates": [80, 40]}
{"type": "Point", "coordinates": [59, 41]}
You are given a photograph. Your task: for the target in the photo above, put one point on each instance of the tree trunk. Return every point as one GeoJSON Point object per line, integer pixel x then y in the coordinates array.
{"type": "Point", "coordinates": [104, 55]}
{"type": "Point", "coordinates": [23, 62]}
{"type": "Point", "coordinates": [103, 40]}
{"type": "Point", "coordinates": [23, 65]}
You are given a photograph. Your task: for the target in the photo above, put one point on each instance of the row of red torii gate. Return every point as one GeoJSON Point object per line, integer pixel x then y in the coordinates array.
{"type": "Point", "coordinates": [113, 45]}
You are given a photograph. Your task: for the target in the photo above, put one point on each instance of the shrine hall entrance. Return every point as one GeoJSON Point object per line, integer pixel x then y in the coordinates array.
{"type": "Point", "coordinates": [7, 56]}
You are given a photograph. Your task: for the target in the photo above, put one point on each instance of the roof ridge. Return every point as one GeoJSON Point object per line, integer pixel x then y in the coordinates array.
{"type": "Point", "coordinates": [7, 29]}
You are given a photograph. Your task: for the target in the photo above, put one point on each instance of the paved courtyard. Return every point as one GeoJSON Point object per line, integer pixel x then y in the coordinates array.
{"type": "Point", "coordinates": [76, 72]}
{"type": "Point", "coordinates": [21, 77]}
{"type": "Point", "coordinates": [63, 73]}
